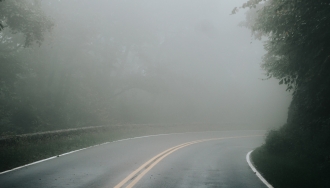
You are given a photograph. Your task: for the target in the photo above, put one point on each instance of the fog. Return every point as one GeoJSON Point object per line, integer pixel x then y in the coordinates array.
{"type": "Point", "coordinates": [164, 61]}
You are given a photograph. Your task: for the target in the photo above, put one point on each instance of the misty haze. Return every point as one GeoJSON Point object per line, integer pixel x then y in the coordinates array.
{"type": "Point", "coordinates": [219, 76]}
{"type": "Point", "coordinates": [142, 62]}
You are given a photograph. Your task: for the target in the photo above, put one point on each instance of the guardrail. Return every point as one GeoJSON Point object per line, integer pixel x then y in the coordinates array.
{"type": "Point", "coordinates": [43, 136]}
{"type": "Point", "coordinates": [40, 136]}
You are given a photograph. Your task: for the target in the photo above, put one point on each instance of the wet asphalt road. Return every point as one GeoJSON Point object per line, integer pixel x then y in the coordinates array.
{"type": "Point", "coordinates": [215, 163]}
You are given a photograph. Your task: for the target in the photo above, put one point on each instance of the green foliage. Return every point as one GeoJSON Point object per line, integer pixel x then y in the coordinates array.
{"type": "Point", "coordinates": [298, 38]}
{"type": "Point", "coordinates": [297, 34]}
{"type": "Point", "coordinates": [297, 44]}
{"type": "Point", "coordinates": [22, 23]}
{"type": "Point", "coordinates": [85, 72]}
{"type": "Point", "coordinates": [288, 170]}
{"type": "Point", "coordinates": [277, 141]}
{"type": "Point", "coordinates": [25, 17]}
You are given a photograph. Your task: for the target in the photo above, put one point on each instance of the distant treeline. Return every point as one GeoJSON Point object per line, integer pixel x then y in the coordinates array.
{"type": "Point", "coordinates": [58, 73]}
{"type": "Point", "coordinates": [70, 64]}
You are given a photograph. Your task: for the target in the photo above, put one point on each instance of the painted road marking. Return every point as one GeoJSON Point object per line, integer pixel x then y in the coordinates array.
{"type": "Point", "coordinates": [256, 171]}
{"type": "Point", "coordinates": [126, 139]}
{"type": "Point", "coordinates": [137, 174]}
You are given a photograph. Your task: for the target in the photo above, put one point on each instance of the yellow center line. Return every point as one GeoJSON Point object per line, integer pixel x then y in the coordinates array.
{"type": "Point", "coordinates": [144, 165]}
{"type": "Point", "coordinates": [137, 178]}
{"type": "Point", "coordinates": [136, 175]}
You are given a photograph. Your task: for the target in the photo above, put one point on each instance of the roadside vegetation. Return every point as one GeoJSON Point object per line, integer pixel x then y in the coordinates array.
{"type": "Point", "coordinates": [285, 167]}
{"type": "Point", "coordinates": [297, 41]}
{"type": "Point", "coordinates": [18, 152]}
{"type": "Point", "coordinates": [62, 69]}
{"type": "Point", "coordinates": [24, 151]}
{"type": "Point", "coordinates": [75, 64]}
{"type": "Point", "coordinates": [287, 171]}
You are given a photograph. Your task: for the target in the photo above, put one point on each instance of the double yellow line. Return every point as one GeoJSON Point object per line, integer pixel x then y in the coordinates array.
{"type": "Point", "coordinates": [135, 176]}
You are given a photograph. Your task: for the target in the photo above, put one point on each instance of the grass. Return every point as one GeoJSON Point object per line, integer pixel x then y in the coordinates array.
{"type": "Point", "coordinates": [21, 153]}
{"type": "Point", "coordinates": [25, 152]}
{"type": "Point", "coordinates": [288, 171]}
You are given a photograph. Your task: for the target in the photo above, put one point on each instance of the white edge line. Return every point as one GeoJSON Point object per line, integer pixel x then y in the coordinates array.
{"type": "Point", "coordinates": [74, 151]}
{"type": "Point", "coordinates": [256, 171]}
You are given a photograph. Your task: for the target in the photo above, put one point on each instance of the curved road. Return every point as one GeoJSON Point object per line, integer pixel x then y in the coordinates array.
{"type": "Point", "coordinates": [203, 159]}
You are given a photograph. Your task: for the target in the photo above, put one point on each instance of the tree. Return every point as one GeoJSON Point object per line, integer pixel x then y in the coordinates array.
{"type": "Point", "coordinates": [297, 36]}
{"type": "Point", "coordinates": [25, 17]}
{"type": "Point", "coordinates": [298, 46]}
{"type": "Point", "coordinates": [22, 23]}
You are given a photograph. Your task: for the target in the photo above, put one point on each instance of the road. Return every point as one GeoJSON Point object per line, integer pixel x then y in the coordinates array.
{"type": "Point", "coordinates": [203, 159]}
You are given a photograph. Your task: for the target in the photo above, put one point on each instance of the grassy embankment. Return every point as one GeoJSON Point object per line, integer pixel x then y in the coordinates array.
{"type": "Point", "coordinates": [26, 151]}
{"type": "Point", "coordinates": [291, 170]}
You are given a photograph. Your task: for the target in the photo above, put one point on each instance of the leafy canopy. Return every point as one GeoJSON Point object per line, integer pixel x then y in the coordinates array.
{"type": "Point", "coordinates": [298, 37]}
{"type": "Point", "coordinates": [25, 17]}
